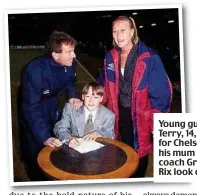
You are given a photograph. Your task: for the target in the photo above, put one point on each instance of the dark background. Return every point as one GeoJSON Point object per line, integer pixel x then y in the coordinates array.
{"type": "Point", "coordinates": [91, 27]}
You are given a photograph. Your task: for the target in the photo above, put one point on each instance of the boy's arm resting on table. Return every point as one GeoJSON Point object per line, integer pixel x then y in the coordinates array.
{"type": "Point", "coordinates": [62, 127]}
{"type": "Point", "coordinates": [92, 136]}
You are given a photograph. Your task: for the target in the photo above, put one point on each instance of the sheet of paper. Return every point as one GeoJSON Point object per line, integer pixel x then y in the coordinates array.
{"type": "Point", "coordinates": [87, 146]}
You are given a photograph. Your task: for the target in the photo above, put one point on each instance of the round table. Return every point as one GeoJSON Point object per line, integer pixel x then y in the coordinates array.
{"type": "Point", "coordinates": [114, 160]}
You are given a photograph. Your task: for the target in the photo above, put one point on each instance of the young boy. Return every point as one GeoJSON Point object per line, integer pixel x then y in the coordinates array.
{"type": "Point", "coordinates": [90, 121]}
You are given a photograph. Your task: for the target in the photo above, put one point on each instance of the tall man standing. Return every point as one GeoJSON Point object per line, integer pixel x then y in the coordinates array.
{"type": "Point", "coordinates": [43, 79]}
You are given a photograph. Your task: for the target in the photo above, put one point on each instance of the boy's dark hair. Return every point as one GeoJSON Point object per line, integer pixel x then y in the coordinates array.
{"type": "Point", "coordinates": [96, 88]}
{"type": "Point", "coordinates": [54, 44]}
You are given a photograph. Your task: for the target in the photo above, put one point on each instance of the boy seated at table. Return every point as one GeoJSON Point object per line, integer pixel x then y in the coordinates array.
{"type": "Point", "coordinates": [90, 121]}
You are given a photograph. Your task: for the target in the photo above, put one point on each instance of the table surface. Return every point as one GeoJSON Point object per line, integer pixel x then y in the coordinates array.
{"type": "Point", "coordinates": [114, 160]}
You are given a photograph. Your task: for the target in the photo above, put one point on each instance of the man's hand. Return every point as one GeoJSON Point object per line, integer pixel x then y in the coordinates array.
{"type": "Point", "coordinates": [74, 142]}
{"type": "Point", "coordinates": [76, 103]}
{"type": "Point", "coordinates": [53, 142]}
{"type": "Point", "coordinates": [92, 136]}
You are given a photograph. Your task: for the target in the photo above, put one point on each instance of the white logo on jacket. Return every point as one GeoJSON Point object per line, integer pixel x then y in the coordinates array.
{"type": "Point", "coordinates": [46, 91]}
{"type": "Point", "coordinates": [110, 66]}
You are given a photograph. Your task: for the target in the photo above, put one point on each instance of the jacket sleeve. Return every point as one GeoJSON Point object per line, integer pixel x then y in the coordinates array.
{"type": "Point", "coordinates": [159, 87]}
{"type": "Point", "coordinates": [62, 127]}
{"type": "Point", "coordinates": [71, 91]}
{"type": "Point", "coordinates": [31, 83]}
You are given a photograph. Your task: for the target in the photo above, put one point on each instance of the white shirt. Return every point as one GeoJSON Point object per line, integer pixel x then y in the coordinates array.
{"type": "Point", "coordinates": [122, 71]}
{"type": "Point", "coordinates": [87, 112]}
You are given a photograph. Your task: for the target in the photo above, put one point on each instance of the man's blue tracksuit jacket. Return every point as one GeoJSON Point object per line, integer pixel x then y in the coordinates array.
{"type": "Point", "coordinates": [42, 81]}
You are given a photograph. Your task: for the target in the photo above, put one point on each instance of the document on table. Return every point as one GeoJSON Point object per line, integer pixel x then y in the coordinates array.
{"type": "Point", "coordinates": [88, 146]}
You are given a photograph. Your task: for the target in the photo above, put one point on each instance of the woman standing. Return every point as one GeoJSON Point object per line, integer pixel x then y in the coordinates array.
{"type": "Point", "coordinates": [136, 86]}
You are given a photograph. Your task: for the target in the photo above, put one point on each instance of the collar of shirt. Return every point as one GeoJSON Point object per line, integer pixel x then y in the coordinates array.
{"type": "Point", "coordinates": [87, 112]}
{"type": "Point", "coordinates": [56, 64]}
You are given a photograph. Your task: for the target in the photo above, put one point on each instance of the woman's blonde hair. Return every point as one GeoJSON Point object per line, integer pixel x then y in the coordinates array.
{"type": "Point", "coordinates": [131, 21]}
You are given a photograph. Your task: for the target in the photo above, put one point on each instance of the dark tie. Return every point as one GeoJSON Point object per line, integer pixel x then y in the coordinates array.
{"type": "Point", "coordinates": [89, 125]}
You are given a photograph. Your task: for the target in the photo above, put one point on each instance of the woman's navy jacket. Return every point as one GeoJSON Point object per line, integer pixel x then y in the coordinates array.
{"type": "Point", "coordinates": [42, 81]}
{"type": "Point", "coordinates": [151, 93]}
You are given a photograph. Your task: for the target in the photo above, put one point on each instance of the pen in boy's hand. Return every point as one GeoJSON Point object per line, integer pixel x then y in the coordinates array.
{"type": "Point", "coordinates": [76, 140]}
